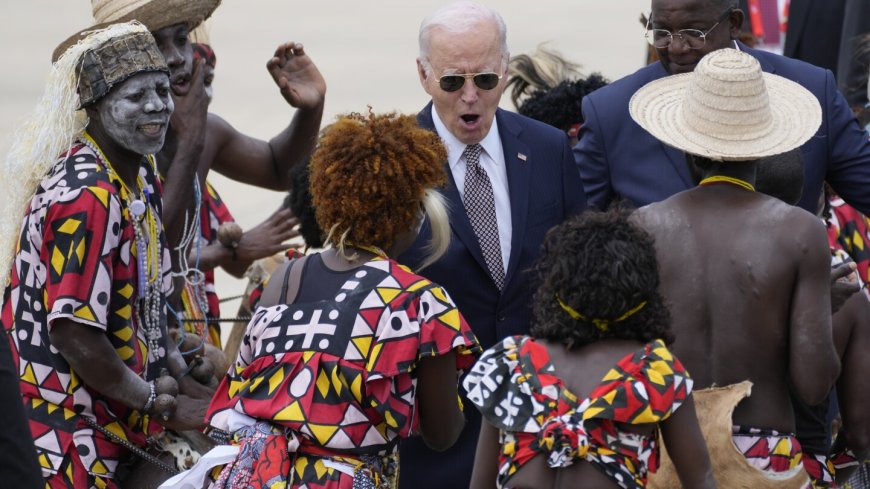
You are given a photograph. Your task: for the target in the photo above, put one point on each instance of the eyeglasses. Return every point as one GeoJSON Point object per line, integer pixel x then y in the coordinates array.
{"type": "Point", "coordinates": [693, 38]}
{"type": "Point", "coordinates": [483, 81]}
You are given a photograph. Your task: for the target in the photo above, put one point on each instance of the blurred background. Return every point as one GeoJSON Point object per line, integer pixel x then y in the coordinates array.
{"type": "Point", "coordinates": [365, 50]}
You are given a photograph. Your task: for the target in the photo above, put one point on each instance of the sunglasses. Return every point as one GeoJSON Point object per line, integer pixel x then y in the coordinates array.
{"type": "Point", "coordinates": [483, 81]}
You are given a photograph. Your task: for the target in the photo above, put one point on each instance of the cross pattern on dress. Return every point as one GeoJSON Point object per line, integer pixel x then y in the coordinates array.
{"type": "Point", "coordinates": [479, 204]}
{"type": "Point", "coordinates": [313, 327]}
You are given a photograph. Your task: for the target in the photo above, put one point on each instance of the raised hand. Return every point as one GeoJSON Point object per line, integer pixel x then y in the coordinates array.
{"type": "Point", "coordinates": [297, 77]}
{"type": "Point", "coordinates": [188, 120]}
{"type": "Point", "coordinates": [268, 237]}
{"type": "Point", "coordinates": [844, 283]}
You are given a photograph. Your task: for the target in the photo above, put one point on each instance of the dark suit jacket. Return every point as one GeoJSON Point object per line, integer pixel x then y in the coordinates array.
{"type": "Point", "coordinates": [617, 157]}
{"type": "Point", "coordinates": [544, 189]}
{"type": "Point", "coordinates": [814, 31]}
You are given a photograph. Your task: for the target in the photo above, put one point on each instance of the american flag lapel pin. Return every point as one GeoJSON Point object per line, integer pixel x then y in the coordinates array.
{"type": "Point", "coordinates": [521, 157]}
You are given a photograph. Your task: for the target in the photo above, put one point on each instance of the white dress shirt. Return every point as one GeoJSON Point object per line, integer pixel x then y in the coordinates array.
{"type": "Point", "coordinates": [492, 161]}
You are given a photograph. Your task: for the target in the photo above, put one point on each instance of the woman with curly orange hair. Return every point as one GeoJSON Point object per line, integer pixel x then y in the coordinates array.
{"type": "Point", "coordinates": [349, 351]}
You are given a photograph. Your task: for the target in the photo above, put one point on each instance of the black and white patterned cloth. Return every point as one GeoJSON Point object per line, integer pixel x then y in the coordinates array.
{"type": "Point", "coordinates": [480, 207]}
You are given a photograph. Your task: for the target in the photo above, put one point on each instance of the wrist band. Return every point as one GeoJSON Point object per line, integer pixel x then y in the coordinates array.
{"type": "Point", "coordinates": [152, 396]}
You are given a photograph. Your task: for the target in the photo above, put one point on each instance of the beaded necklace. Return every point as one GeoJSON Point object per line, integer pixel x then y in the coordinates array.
{"type": "Point", "coordinates": [147, 245]}
{"type": "Point", "coordinates": [723, 179]}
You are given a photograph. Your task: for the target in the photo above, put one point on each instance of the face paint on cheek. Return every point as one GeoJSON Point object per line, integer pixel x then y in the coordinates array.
{"type": "Point", "coordinates": [135, 115]}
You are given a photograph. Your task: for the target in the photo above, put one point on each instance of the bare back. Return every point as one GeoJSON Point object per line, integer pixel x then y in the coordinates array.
{"type": "Point", "coordinates": [746, 278]}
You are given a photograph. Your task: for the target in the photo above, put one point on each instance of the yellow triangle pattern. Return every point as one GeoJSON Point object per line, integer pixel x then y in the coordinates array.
{"type": "Point", "coordinates": [323, 432]}
{"type": "Point", "coordinates": [80, 251]}
{"type": "Point", "coordinates": [124, 312]}
{"type": "Point", "coordinates": [356, 388]}
{"type": "Point", "coordinates": [373, 356]}
{"type": "Point", "coordinates": [125, 352]}
{"type": "Point", "coordinates": [57, 260]}
{"type": "Point", "coordinates": [363, 344]}
{"type": "Point", "coordinates": [28, 375]}
{"type": "Point", "coordinates": [115, 428]}
{"type": "Point", "coordinates": [85, 312]}
{"type": "Point", "coordinates": [126, 291]}
{"type": "Point", "coordinates": [124, 334]}
{"type": "Point", "coordinates": [290, 413]}
{"type": "Point", "coordinates": [451, 318]}
{"type": "Point", "coordinates": [99, 468]}
{"type": "Point", "coordinates": [101, 194]}
{"type": "Point", "coordinates": [387, 294]}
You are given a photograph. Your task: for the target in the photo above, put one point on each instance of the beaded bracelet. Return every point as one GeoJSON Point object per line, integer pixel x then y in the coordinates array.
{"type": "Point", "coordinates": [152, 396]}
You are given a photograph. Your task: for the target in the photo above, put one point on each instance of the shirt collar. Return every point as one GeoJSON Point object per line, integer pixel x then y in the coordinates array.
{"type": "Point", "coordinates": [455, 147]}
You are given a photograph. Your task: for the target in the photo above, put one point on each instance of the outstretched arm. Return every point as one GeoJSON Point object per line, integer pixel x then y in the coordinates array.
{"type": "Point", "coordinates": [263, 164]}
{"type": "Point", "coordinates": [265, 239]}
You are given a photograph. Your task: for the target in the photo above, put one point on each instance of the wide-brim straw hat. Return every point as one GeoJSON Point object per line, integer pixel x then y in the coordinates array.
{"type": "Point", "coordinates": [154, 14]}
{"type": "Point", "coordinates": [727, 109]}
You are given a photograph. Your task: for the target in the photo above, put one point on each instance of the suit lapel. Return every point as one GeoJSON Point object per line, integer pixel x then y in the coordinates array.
{"type": "Point", "coordinates": [518, 160]}
{"type": "Point", "coordinates": [458, 219]}
{"type": "Point", "coordinates": [675, 156]}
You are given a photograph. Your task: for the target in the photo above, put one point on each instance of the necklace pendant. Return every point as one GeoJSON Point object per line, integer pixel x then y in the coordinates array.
{"type": "Point", "coordinates": [137, 208]}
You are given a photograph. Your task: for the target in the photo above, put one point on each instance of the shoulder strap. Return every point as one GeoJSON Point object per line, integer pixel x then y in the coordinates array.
{"type": "Point", "coordinates": [290, 282]}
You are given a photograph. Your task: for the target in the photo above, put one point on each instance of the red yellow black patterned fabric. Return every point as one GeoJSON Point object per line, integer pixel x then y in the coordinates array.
{"type": "Point", "coordinates": [339, 375]}
{"type": "Point", "coordinates": [517, 389]}
{"type": "Point", "coordinates": [767, 450]}
{"type": "Point", "coordinates": [76, 260]}
{"type": "Point", "coordinates": [214, 213]}
{"type": "Point", "coordinates": [848, 230]}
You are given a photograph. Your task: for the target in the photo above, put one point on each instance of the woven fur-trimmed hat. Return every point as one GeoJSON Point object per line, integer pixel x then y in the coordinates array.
{"type": "Point", "coordinates": [154, 14]}
{"type": "Point", "coordinates": [727, 109]}
{"type": "Point", "coordinates": [85, 72]}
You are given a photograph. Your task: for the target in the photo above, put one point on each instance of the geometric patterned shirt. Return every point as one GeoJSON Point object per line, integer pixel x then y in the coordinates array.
{"type": "Point", "coordinates": [76, 260]}
{"type": "Point", "coordinates": [518, 390]}
{"type": "Point", "coordinates": [339, 374]}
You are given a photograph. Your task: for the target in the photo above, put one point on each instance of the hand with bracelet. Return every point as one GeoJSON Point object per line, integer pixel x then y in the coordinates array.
{"type": "Point", "coordinates": [235, 249]}
{"type": "Point", "coordinates": [161, 403]}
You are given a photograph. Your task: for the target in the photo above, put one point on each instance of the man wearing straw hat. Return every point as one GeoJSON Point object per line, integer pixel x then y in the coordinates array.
{"type": "Point", "coordinates": [85, 301]}
{"type": "Point", "coordinates": [744, 308]}
{"type": "Point", "coordinates": [206, 138]}
{"type": "Point", "coordinates": [618, 159]}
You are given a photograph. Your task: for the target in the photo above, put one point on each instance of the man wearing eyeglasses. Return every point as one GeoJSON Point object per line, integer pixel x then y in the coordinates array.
{"type": "Point", "coordinates": [511, 179]}
{"type": "Point", "coordinates": [618, 159]}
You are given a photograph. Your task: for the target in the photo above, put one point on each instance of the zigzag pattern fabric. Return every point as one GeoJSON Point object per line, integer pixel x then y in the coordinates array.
{"type": "Point", "coordinates": [517, 389]}
{"type": "Point", "coordinates": [337, 376]}
{"type": "Point", "coordinates": [81, 254]}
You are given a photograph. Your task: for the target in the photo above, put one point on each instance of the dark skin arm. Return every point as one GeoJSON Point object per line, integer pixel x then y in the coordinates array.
{"type": "Point", "coordinates": [813, 362]}
{"type": "Point", "coordinates": [686, 447]}
{"type": "Point", "coordinates": [265, 239]}
{"type": "Point", "coordinates": [485, 471]}
{"type": "Point", "coordinates": [843, 284]}
{"type": "Point", "coordinates": [256, 162]}
{"type": "Point", "coordinates": [92, 357]}
{"type": "Point", "coordinates": [441, 420]}
{"type": "Point", "coordinates": [852, 336]}
{"type": "Point", "coordinates": [187, 130]}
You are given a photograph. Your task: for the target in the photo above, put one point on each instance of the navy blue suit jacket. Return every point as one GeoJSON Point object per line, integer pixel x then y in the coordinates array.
{"type": "Point", "coordinates": [618, 158]}
{"type": "Point", "coordinates": [544, 189]}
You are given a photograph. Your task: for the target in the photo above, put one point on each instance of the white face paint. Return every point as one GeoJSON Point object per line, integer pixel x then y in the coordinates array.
{"type": "Point", "coordinates": [135, 114]}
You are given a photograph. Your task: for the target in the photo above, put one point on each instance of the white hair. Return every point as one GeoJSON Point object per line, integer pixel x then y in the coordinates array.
{"type": "Point", "coordinates": [461, 16]}
{"type": "Point", "coordinates": [439, 223]}
{"type": "Point", "coordinates": [46, 136]}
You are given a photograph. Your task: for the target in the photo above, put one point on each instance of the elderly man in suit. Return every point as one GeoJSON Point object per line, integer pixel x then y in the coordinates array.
{"type": "Point", "coordinates": [511, 180]}
{"type": "Point", "coordinates": [617, 158]}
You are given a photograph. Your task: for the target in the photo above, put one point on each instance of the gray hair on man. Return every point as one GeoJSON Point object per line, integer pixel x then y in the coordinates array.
{"type": "Point", "coordinates": [460, 17]}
